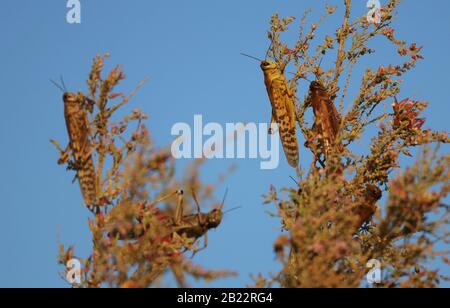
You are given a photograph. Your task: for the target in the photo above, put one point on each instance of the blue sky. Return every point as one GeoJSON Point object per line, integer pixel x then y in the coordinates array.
{"type": "Point", "coordinates": [190, 50]}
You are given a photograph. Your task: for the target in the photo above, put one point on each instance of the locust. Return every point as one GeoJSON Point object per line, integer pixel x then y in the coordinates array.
{"type": "Point", "coordinates": [327, 121]}
{"type": "Point", "coordinates": [197, 225]}
{"type": "Point", "coordinates": [190, 226]}
{"type": "Point", "coordinates": [78, 129]}
{"type": "Point", "coordinates": [282, 100]}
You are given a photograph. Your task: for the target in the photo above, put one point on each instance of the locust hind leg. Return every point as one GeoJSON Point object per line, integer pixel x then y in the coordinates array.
{"type": "Point", "coordinates": [179, 211]}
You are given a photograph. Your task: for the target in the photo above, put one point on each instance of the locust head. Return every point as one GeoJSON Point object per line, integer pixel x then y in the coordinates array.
{"type": "Point", "coordinates": [267, 65]}
{"type": "Point", "coordinates": [271, 70]}
{"type": "Point", "coordinates": [215, 218]}
{"type": "Point", "coordinates": [315, 85]}
{"type": "Point", "coordinates": [69, 97]}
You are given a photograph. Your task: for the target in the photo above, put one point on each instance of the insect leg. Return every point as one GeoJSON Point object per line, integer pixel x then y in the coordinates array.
{"type": "Point", "coordinates": [87, 155]}
{"type": "Point", "coordinates": [75, 178]}
{"type": "Point", "coordinates": [205, 245]}
{"type": "Point", "coordinates": [197, 204]}
{"type": "Point", "coordinates": [179, 211]}
{"type": "Point", "coordinates": [64, 158]}
{"type": "Point", "coordinates": [164, 198]}
{"type": "Point", "coordinates": [205, 241]}
{"type": "Point", "coordinates": [272, 122]}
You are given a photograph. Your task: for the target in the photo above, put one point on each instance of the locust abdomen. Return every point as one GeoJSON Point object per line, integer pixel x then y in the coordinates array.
{"type": "Point", "coordinates": [87, 178]}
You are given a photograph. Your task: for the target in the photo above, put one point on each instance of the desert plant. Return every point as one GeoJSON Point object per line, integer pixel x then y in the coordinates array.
{"type": "Point", "coordinates": [332, 218]}
{"type": "Point", "coordinates": [136, 238]}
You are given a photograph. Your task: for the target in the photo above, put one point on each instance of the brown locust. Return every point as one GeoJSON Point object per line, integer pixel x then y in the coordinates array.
{"type": "Point", "coordinates": [326, 118]}
{"type": "Point", "coordinates": [178, 225]}
{"type": "Point", "coordinates": [78, 129]}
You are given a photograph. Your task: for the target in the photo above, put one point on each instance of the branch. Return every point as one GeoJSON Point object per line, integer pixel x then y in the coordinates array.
{"type": "Point", "coordinates": [342, 36]}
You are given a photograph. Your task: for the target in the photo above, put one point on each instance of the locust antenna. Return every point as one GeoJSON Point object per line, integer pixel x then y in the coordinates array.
{"type": "Point", "coordinates": [268, 49]}
{"type": "Point", "coordinates": [301, 77]}
{"type": "Point", "coordinates": [233, 209]}
{"type": "Point", "coordinates": [295, 181]}
{"type": "Point", "coordinates": [223, 200]}
{"type": "Point", "coordinates": [318, 67]}
{"type": "Point", "coordinates": [251, 57]}
{"type": "Point", "coordinates": [63, 84]}
{"type": "Point", "coordinates": [58, 86]}
{"type": "Point", "coordinates": [320, 62]}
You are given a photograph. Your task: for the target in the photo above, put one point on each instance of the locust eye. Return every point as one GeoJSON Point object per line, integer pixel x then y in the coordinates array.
{"type": "Point", "coordinates": [265, 63]}
{"type": "Point", "coordinates": [65, 96]}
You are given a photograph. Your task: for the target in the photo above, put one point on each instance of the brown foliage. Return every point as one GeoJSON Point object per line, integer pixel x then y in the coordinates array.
{"type": "Point", "coordinates": [333, 218]}
{"type": "Point", "coordinates": [136, 238]}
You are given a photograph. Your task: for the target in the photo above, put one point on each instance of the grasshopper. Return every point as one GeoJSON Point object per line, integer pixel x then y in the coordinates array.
{"type": "Point", "coordinates": [78, 129]}
{"type": "Point", "coordinates": [191, 226]}
{"type": "Point", "coordinates": [282, 100]}
{"type": "Point", "coordinates": [195, 226]}
{"type": "Point", "coordinates": [327, 121]}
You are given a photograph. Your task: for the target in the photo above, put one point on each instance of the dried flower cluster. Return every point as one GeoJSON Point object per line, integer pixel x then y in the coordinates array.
{"type": "Point", "coordinates": [136, 238]}
{"type": "Point", "coordinates": [333, 219]}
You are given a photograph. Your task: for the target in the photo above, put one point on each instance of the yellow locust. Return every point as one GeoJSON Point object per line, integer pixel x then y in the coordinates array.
{"type": "Point", "coordinates": [282, 99]}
